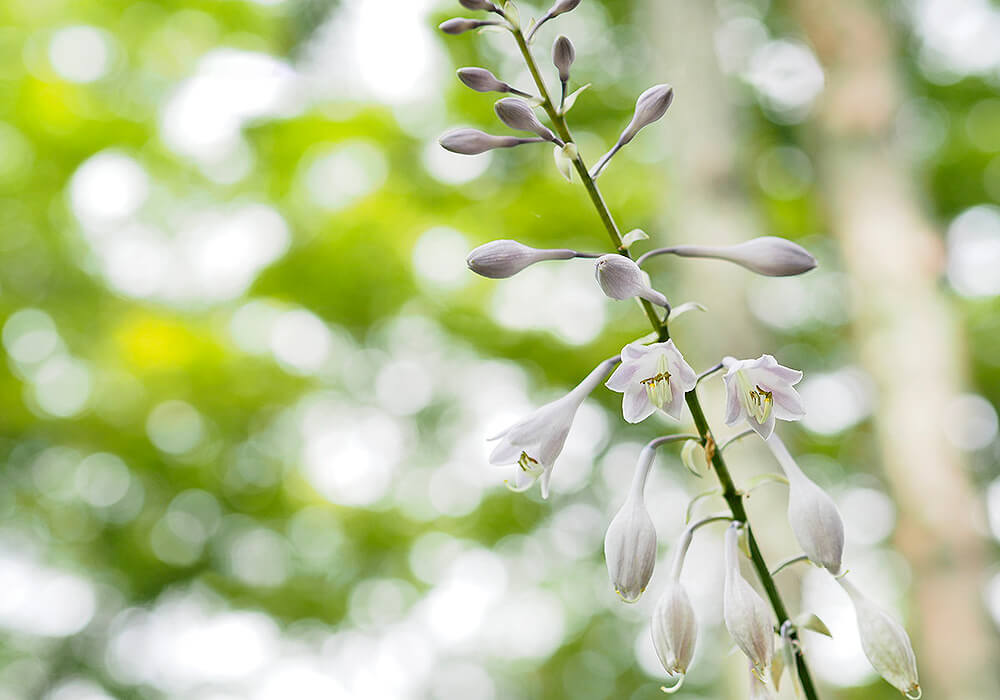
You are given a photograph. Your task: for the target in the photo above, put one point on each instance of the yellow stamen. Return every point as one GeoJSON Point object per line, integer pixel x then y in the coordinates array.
{"type": "Point", "coordinates": [658, 386]}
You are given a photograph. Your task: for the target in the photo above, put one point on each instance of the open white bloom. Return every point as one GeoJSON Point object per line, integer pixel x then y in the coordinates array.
{"type": "Point", "coordinates": [759, 391]}
{"type": "Point", "coordinates": [885, 643]}
{"type": "Point", "coordinates": [620, 278]}
{"type": "Point", "coordinates": [630, 543]}
{"type": "Point", "coordinates": [812, 514]}
{"type": "Point", "coordinates": [748, 618]}
{"type": "Point", "coordinates": [674, 630]}
{"type": "Point", "coordinates": [534, 443]}
{"type": "Point", "coordinates": [652, 377]}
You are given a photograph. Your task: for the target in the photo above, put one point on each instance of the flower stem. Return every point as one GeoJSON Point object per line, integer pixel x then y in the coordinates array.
{"type": "Point", "coordinates": [733, 497]}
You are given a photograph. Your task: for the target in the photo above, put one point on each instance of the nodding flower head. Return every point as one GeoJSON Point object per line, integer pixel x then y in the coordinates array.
{"type": "Point", "coordinates": [760, 391]}
{"type": "Point", "coordinates": [460, 25]}
{"type": "Point", "coordinates": [747, 616]}
{"type": "Point", "coordinates": [620, 278]}
{"type": "Point", "coordinates": [674, 629]}
{"type": "Point", "coordinates": [652, 377]}
{"type": "Point", "coordinates": [505, 258]}
{"type": "Point", "coordinates": [630, 543]}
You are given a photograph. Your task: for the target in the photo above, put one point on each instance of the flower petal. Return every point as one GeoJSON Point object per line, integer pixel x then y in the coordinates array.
{"type": "Point", "coordinates": [787, 403]}
{"type": "Point", "coordinates": [676, 405]}
{"type": "Point", "coordinates": [622, 376]}
{"type": "Point", "coordinates": [633, 351]}
{"type": "Point", "coordinates": [636, 406]}
{"type": "Point", "coordinates": [734, 407]}
{"type": "Point", "coordinates": [505, 453]}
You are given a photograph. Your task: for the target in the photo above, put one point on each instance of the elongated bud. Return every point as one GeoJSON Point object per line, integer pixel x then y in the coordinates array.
{"type": "Point", "coordinates": [518, 114]}
{"type": "Point", "coordinates": [767, 255]}
{"type": "Point", "coordinates": [651, 105]}
{"type": "Point", "coordinates": [674, 630]}
{"type": "Point", "coordinates": [630, 543]}
{"type": "Point", "coordinates": [460, 25]}
{"type": "Point", "coordinates": [471, 142]}
{"type": "Point", "coordinates": [481, 80]}
{"type": "Point", "coordinates": [562, 6]}
{"type": "Point", "coordinates": [747, 616]}
{"type": "Point", "coordinates": [812, 514]}
{"type": "Point", "coordinates": [885, 642]}
{"type": "Point", "coordinates": [478, 5]}
{"type": "Point", "coordinates": [505, 258]}
{"type": "Point", "coordinates": [621, 278]}
{"type": "Point", "coordinates": [563, 55]}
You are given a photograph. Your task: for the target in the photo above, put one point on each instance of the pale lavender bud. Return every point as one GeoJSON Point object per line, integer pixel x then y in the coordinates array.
{"type": "Point", "coordinates": [812, 514]}
{"type": "Point", "coordinates": [747, 616]}
{"type": "Point", "coordinates": [470, 142]}
{"type": "Point", "coordinates": [620, 278]}
{"type": "Point", "coordinates": [505, 258]}
{"type": "Point", "coordinates": [481, 80]}
{"type": "Point", "coordinates": [885, 643]}
{"type": "Point", "coordinates": [563, 55]}
{"type": "Point", "coordinates": [518, 114]}
{"type": "Point", "coordinates": [460, 25]}
{"type": "Point", "coordinates": [630, 549]}
{"type": "Point", "coordinates": [767, 255]}
{"type": "Point", "coordinates": [674, 630]}
{"type": "Point", "coordinates": [651, 105]}
{"type": "Point", "coordinates": [562, 6]}
{"type": "Point", "coordinates": [478, 5]}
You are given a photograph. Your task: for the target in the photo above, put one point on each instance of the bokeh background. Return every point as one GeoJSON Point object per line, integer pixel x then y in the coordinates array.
{"type": "Point", "coordinates": [246, 377]}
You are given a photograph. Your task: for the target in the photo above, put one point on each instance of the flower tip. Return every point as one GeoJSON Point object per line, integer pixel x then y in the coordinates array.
{"type": "Point", "coordinates": [670, 690]}
{"type": "Point", "coordinates": [915, 692]}
{"type": "Point", "coordinates": [630, 598]}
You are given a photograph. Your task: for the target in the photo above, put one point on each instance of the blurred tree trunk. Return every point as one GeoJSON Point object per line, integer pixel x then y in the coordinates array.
{"type": "Point", "coordinates": [907, 339]}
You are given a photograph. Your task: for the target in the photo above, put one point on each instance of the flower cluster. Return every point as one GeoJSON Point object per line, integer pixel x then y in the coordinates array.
{"type": "Point", "coordinates": [655, 379]}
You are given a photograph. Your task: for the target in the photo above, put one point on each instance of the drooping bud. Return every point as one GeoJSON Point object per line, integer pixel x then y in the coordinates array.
{"type": "Point", "coordinates": [621, 278]}
{"type": "Point", "coordinates": [630, 543]}
{"type": "Point", "coordinates": [478, 5]}
{"type": "Point", "coordinates": [460, 25]}
{"type": "Point", "coordinates": [471, 142]}
{"type": "Point", "coordinates": [563, 55]}
{"type": "Point", "coordinates": [518, 114]}
{"type": "Point", "coordinates": [767, 255]}
{"type": "Point", "coordinates": [812, 514]}
{"type": "Point", "coordinates": [482, 80]}
{"type": "Point", "coordinates": [505, 258]}
{"type": "Point", "coordinates": [674, 630]}
{"type": "Point", "coordinates": [885, 643]}
{"type": "Point", "coordinates": [747, 616]}
{"type": "Point", "coordinates": [651, 105]}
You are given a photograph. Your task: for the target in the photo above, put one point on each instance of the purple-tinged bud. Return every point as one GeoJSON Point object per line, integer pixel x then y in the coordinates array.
{"type": "Point", "coordinates": [674, 630]}
{"type": "Point", "coordinates": [562, 6]}
{"type": "Point", "coordinates": [651, 105]}
{"type": "Point", "coordinates": [563, 55]}
{"type": "Point", "coordinates": [620, 278]}
{"type": "Point", "coordinates": [460, 25]}
{"type": "Point", "coordinates": [748, 618]}
{"type": "Point", "coordinates": [481, 80]}
{"type": "Point", "coordinates": [478, 5]}
{"type": "Point", "coordinates": [518, 114]}
{"type": "Point", "coordinates": [505, 258]}
{"type": "Point", "coordinates": [885, 643]}
{"type": "Point", "coordinates": [767, 255]}
{"type": "Point", "coordinates": [471, 142]}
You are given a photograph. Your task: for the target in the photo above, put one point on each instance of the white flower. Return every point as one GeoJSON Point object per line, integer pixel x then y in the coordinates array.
{"type": "Point", "coordinates": [652, 377]}
{"type": "Point", "coordinates": [620, 278]}
{"type": "Point", "coordinates": [534, 443]}
{"type": "Point", "coordinates": [760, 391]}
{"type": "Point", "coordinates": [812, 514]}
{"type": "Point", "coordinates": [505, 258]}
{"type": "Point", "coordinates": [630, 543]}
{"type": "Point", "coordinates": [885, 643]}
{"type": "Point", "coordinates": [674, 629]}
{"type": "Point", "coordinates": [767, 255]}
{"type": "Point", "coordinates": [748, 618]}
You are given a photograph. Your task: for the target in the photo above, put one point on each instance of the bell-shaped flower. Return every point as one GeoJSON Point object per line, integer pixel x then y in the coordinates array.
{"type": "Point", "coordinates": [620, 278]}
{"type": "Point", "coordinates": [885, 643]}
{"type": "Point", "coordinates": [759, 391]}
{"type": "Point", "coordinates": [812, 514]}
{"type": "Point", "coordinates": [674, 630]}
{"type": "Point", "coordinates": [518, 114]}
{"type": "Point", "coordinates": [652, 377]}
{"type": "Point", "coordinates": [748, 618]}
{"type": "Point", "coordinates": [460, 25]}
{"type": "Point", "coordinates": [470, 142]}
{"type": "Point", "coordinates": [534, 443]}
{"type": "Point", "coordinates": [630, 543]}
{"type": "Point", "coordinates": [767, 255]}
{"type": "Point", "coordinates": [505, 258]}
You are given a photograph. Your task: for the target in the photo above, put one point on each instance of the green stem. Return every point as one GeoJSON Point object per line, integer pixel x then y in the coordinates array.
{"type": "Point", "coordinates": [729, 491]}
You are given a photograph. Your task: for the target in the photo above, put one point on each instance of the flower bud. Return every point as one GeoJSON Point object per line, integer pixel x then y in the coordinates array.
{"type": "Point", "coordinates": [460, 25]}
{"type": "Point", "coordinates": [630, 548]}
{"type": "Point", "coordinates": [621, 278]}
{"type": "Point", "coordinates": [561, 7]}
{"type": "Point", "coordinates": [470, 142]}
{"type": "Point", "coordinates": [518, 114]}
{"type": "Point", "coordinates": [505, 258]}
{"type": "Point", "coordinates": [651, 105]}
{"type": "Point", "coordinates": [885, 643]}
{"type": "Point", "coordinates": [478, 5]}
{"type": "Point", "coordinates": [767, 255]}
{"type": "Point", "coordinates": [747, 616]}
{"type": "Point", "coordinates": [812, 514]}
{"type": "Point", "coordinates": [481, 80]}
{"type": "Point", "coordinates": [563, 55]}
{"type": "Point", "coordinates": [674, 629]}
